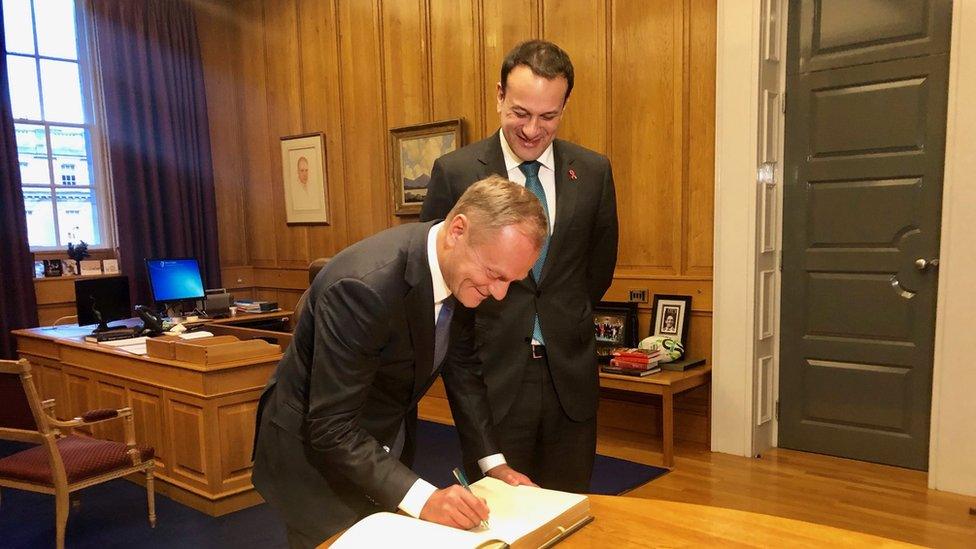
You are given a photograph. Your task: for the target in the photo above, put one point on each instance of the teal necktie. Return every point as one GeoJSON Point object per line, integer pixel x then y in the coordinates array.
{"type": "Point", "coordinates": [533, 184]}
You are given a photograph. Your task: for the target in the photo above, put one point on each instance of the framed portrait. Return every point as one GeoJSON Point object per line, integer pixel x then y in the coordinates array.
{"type": "Point", "coordinates": [670, 317]}
{"type": "Point", "coordinates": [303, 171]}
{"type": "Point", "coordinates": [614, 325]}
{"type": "Point", "coordinates": [413, 150]}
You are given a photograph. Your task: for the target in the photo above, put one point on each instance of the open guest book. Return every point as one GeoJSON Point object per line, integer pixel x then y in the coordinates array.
{"type": "Point", "coordinates": [522, 517]}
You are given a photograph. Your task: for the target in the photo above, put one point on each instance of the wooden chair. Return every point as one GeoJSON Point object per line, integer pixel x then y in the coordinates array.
{"type": "Point", "coordinates": [313, 269]}
{"type": "Point", "coordinates": [60, 465]}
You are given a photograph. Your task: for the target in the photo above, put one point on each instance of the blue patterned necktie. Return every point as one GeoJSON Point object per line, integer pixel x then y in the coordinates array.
{"type": "Point", "coordinates": [532, 183]}
{"type": "Point", "coordinates": [442, 331]}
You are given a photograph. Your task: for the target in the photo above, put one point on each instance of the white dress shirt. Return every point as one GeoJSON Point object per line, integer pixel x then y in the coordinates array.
{"type": "Point", "coordinates": [547, 175]}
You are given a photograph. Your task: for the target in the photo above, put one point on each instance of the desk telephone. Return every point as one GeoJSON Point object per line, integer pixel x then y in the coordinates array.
{"type": "Point", "coordinates": [152, 324]}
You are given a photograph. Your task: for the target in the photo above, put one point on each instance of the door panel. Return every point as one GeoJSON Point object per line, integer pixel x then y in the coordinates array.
{"type": "Point", "coordinates": [837, 33]}
{"type": "Point", "coordinates": [862, 198]}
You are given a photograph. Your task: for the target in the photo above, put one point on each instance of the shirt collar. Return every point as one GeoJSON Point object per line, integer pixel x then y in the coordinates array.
{"type": "Point", "coordinates": [441, 291]}
{"type": "Point", "coordinates": [512, 161]}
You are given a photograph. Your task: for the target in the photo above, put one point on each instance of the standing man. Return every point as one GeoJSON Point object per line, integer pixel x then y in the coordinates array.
{"type": "Point", "coordinates": [538, 345]}
{"type": "Point", "coordinates": [337, 419]}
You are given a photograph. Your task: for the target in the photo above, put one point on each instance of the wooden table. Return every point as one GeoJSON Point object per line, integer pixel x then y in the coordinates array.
{"type": "Point", "coordinates": [666, 384]}
{"type": "Point", "coordinates": [199, 418]}
{"type": "Point", "coordinates": [623, 522]}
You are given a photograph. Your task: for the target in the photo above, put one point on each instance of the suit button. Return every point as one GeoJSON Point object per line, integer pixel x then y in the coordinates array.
{"type": "Point", "coordinates": [538, 293]}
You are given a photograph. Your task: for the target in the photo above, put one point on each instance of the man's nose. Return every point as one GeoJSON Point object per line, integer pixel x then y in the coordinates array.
{"type": "Point", "coordinates": [498, 289]}
{"type": "Point", "coordinates": [531, 128]}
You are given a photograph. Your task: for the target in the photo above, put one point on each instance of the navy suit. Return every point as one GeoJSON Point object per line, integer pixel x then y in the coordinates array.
{"type": "Point", "coordinates": [578, 270]}
{"type": "Point", "coordinates": [360, 359]}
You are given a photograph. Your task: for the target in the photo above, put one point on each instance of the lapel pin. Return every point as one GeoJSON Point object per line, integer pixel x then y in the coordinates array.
{"type": "Point", "coordinates": [572, 175]}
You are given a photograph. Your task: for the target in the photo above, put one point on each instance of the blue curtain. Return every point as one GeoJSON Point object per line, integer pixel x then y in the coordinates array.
{"type": "Point", "coordinates": [18, 305]}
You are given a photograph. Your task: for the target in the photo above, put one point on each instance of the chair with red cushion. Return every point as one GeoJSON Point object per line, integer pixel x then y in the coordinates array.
{"type": "Point", "coordinates": [60, 464]}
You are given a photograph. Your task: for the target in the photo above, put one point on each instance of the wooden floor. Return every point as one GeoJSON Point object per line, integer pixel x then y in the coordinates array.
{"type": "Point", "coordinates": [875, 499]}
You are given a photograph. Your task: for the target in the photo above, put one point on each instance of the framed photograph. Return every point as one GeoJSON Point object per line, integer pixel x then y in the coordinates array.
{"type": "Point", "coordinates": [670, 317]}
{"type": "Point", "coordinates": [52, 267]}
{"type": "Point", "coordinates": [91, 267]}
{"type": "Point", "coordinates": [69, 267]}
{"type": "Point", "coordinates": [413, 150]}
{"type": "Point", "coordinates": [303, 172]}
{"type": "Point", "coordinates": [614, 325]}
{"type": "Point", "coordinates": [110, 266]}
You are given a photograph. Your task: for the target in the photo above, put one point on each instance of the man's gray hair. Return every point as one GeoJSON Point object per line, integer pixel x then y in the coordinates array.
{"type": "Point", "coordinates": [495, 202]}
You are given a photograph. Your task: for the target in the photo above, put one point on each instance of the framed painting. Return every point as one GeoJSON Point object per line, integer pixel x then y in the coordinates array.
{"type": "Point", "coordinates": [413, 150]}
{"type": "Point", "coordinates": [304, 177]}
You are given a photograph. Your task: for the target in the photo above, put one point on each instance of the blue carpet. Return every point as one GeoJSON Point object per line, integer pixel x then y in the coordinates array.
{"type": "Point", "coordinates": [113, 514]}
{"type": "Point", "coordinates": [611, 476]}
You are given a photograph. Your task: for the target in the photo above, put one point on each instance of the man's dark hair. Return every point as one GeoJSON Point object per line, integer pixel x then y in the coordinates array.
{"type": "Point", "coordinates": [544, 58]}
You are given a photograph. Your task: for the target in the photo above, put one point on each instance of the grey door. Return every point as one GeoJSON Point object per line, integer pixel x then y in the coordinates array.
{"type": "Point", "coordinates": [865, 141]}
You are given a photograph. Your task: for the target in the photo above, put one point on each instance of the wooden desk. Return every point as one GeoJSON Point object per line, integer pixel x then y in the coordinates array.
{"type": "Point", "coordinates": [622, 522]}
{"type": "Point", "coordinates": [199, 418]}
{"type": "Point", "coordinates": [666, 384]}
{"type": "Point", "coordinates": [634, 522]}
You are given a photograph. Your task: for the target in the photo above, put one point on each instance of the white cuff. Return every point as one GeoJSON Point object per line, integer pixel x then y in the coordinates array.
{"type": "Point", "coordinates": [488, 463]}
{"type": "Point", "coordinates": [417, 496]}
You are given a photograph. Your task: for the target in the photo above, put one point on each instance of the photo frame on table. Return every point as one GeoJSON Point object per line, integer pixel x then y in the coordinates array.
{"type": "Point", "coordinates": [304, 178]}
{"type": "Point", "coordinates": [614, 325]}
{"type": "Point", "coordinates": [670, 316]}
{"type": "Point", "coordinates": [413, 150]}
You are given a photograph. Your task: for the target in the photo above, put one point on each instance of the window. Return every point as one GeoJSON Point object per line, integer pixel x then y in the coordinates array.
{"type": "Point", "coordinates": [51, 92]}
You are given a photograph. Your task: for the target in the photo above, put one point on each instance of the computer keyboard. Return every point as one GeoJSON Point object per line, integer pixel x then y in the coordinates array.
{"type": "Point", "coordinates": [114, 335]}
{"type": "Point", "coordinates": [125, 342]}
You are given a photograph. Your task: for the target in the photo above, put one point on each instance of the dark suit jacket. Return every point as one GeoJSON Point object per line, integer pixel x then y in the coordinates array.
{"type": "Point", "coordinates": [360, 359]}
{"type": "Point", "coordinates": [578, 271]}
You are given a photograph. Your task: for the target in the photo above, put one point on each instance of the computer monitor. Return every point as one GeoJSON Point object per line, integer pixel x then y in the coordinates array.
{"type": "Point", "coordinates": [102, 300]}
{"type": "Point", "coordinates": [174, 280]}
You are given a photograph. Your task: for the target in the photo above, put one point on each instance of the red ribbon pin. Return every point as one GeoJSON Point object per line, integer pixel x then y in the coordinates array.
{"type": "Point", "coordinates": [572, 175]}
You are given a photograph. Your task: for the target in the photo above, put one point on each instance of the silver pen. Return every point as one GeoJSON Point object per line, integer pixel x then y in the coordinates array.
{"type": "Point", "coordinates": [463, 481]}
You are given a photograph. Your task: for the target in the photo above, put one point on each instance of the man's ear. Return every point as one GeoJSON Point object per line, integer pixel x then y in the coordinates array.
{"type": "Point", "coordinates": [499, 96]}
{"type": "Point", "coordinates": [456, 228]}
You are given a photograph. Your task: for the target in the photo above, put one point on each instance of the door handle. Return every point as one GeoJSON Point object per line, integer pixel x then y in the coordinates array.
{"type": "Point", "coordinates": [921, 264]}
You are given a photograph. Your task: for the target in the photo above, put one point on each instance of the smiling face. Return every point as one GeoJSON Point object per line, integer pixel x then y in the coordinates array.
{"type": "Point", "coordinates": [488, 264]}
{"type": "Point", "coordinates": [531, 107]}
{"type": "Point", "coordinates": [303, 170]}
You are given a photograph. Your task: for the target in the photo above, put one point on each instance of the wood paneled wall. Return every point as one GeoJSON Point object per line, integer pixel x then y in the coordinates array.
{"type": "Point", "coordinates": [353, 69]}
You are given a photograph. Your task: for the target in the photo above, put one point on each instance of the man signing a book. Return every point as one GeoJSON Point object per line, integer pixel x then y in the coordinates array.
{"type": "Point", "coordinates": [336, 423]}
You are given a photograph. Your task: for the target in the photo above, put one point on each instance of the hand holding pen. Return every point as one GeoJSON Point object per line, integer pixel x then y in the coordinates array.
{"type": "Point", "coordinates": [455, 506]}
{"type": "Point", "coordinates": [463, 481]}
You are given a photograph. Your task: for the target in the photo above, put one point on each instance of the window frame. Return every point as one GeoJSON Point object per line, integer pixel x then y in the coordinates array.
{"type": "Point", "coordinates": [92, 102]}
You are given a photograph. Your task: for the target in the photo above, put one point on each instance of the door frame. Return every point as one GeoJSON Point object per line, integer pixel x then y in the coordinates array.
{"type": "Point", "coordinates": [734, 328]}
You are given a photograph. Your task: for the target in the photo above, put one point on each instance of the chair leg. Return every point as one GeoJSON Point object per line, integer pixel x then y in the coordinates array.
{"type": "Point", "coordinates": [151, 495]}
{"type": "Point", "coordinates": [61, 515]}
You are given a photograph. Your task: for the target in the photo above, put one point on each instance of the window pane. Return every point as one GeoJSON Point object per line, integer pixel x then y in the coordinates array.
{"type": "Point", "coordinates": [56, 28]}
{"type": "Point", "coordinates": [18, 30]}
{"type": "Point", "coordinates": [32, 154]}
{"type": "Point", "coordinates": [40, 217]}
{"type": "Point", "coordinates": [69, 150]}
{"type": "Point", "coordinates": [62, 91]}
{"type": "Point", "coordinates": [76, 216]}
{"type": "Point", "coordinates": [24, 99]}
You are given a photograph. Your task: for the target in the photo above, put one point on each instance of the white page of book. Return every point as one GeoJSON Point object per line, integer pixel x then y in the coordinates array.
{"type": "Point", "coordinates": [519, 510]}
{"type": "Point", "coordinates": [382, 529]}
